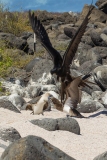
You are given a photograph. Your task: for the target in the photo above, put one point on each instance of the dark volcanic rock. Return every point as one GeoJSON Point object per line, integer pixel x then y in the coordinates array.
{"type": "Point", "coordinates": [97, 40]}
{"type": "Point", "coordinates": [101, 73]}
{"type": "Point", "coordinates": [88, 66]}
{"type": "Point", "coordinates": [102, 156]}
{"type": "Point", "coordinates": [33, 148]}
{"type": "Point", "coordinates": [96, 15]}
{"type": "Point", "coordinates": [89, 106]}
{"type": "Point", "coordinates": [91, 90]}
{"type": "Point", "coordinates": [102, 5]}
{"type": "Point", "coordinates": [70, 32]}
{"type": "Point", "coordinates": [87, 40]}
{"type": "Point", "coordinates": [9, 133]}
{"type": "Point", "coordinates": [12, 41]}
{"type": "Point", "coordinates": [42, 66]}
{"type": "Point", "coordinates": [67, 124]}
{"type": "Point", "coordinates": [31, 64]}
{"type": "Point", "coordinates": [97, 53]}
{"type": "Point", "coordinates": [8, 105]}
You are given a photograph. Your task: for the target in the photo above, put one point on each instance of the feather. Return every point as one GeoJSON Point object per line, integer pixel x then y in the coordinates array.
{"type": "Point", "coordinates": [72, 47]}
{"type": "Point", "coordinates": [42, 36]}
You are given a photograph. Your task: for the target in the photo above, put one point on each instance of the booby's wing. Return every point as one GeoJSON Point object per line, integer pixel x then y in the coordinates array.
{"type": "Point", "coordinates": [42, 36]}
{"type": "Point", "coordinates": [72, 112]}
{"type": "Point", "coordinates": [72, 48]}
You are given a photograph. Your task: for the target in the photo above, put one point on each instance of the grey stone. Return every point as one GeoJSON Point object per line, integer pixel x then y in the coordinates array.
{"type": "Point", "coordinates": [6, 104]}
{"type": "Point", "coordinates": [9, 133]}
{"type": "Point", "coordinates": [102, 156]}
{"type": "Point", "coordinates": [17, 101]}
{"type": "Point", "coordinates": [101, 73]}
{"type": "Point", "coordinates": [46, 123]}
{"type": "Point", "coordinates": [33, 148]}
{"type": "Point", "coordinates": [89, 106]}
{"type": "Point", "coordinates": [66, 124]}
{"type": "Point", "coordinates": [31, 64]}
{"type": "Point", "coordinates": [97, 39]}
{"type": "Point", "coordinates": [14, 42]}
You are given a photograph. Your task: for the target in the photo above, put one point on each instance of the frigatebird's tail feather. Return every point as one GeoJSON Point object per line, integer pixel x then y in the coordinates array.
{"type": "Point", "coordinates": [72, 48]}
{"type": "Point", "coordinates": [42, 36]}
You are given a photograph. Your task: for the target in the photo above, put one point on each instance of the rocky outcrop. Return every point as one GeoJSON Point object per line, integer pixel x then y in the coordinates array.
{"type": "Point", "coordinates": [96, 15]}
{"type": "Point", "coordinates": [102, 156]}
{"type": "Point", "coordinates": [32, 148]}
{"type": "Point", "coordinates": [89, 106]}
{"type": "Point", "coordinates": [102, 5]}
{"type": "Point", "coordinates": [6, 104]}
{"type": "Point", "coordinates": [12, 41]}
{"type": "Point", "coordinates": [65, 124]}
{"type": "Point", "coordinates": [9, 134]}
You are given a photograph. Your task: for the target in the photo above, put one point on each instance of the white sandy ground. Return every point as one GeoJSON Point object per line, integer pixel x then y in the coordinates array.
{"type": "Point", "coordinates": [91, 142]}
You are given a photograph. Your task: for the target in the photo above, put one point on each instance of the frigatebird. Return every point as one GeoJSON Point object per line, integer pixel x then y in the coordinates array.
{"type": "Point", "coordinates": [61, 65]}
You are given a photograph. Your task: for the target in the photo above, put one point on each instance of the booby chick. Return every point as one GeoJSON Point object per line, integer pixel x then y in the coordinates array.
{"type": "Point", "coordinates": [41, 105]}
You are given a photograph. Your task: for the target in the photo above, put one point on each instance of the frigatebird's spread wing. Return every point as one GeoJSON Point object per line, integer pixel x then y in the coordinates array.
{"type": "Point", "coordinates": [72, 48]}
{"type": "Point", "coordinates": [42, 36]}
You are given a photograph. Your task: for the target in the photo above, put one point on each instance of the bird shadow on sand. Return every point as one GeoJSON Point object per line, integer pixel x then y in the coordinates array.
{"type": "Point", "coordinates": [97, 114]}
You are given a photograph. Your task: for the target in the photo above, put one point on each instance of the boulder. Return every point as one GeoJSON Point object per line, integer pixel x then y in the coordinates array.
{"type": "Point", "coordinates": [66, 124]}
{"type": "Point", "coordinates": [89, 106]}
{"type": "Point", "coordinates": [25, 35]}
{"type": "Point", "coordinates": [88, 67]}
{"type": "Point", "coordinates": [6, 104]}
{"type": "Point", "coordinates": [103, 98]}
{"type": "Point", "coordinates": [87, 40]}
{"type": "Point", "coordinates": [101, 73]}
{"type": "Point", "coordinates": [70, 32]}
{"type": "Point", "coordinates": [12, 41]}
{"type": "Point", "coordinates": [85, 97]}
{"type": "Point", "coordinates": [96, 15]}
{"type": "Point", "coordinates": [99, 25]}
{"type": "Point", "coordinates": [102, 156]}
{"type": "Point", "coordinates": [104, 30]}
{"type": "Point", "coordinates": [97, 53]}
{"type": "Point", "coordinates": [17, 101]}
{"type": "Point", "coordinates": [104, 37]}
{"type": "Point", "coordinates": [62, 37]}
{"type": "Point", "coordinates": [33, 148]}
{"type": "Point", "coordinates": [102, 5]}
{"type": "Point", "coordinates": [41, 69]}
{"type": "Point", "coordinates": [96, 95]}
{"type": "Point", "coordinates": [97, 39]}
{"type": "Point", "coordinates": [9, 134]}
{"type": "Point", "coordinates": [31, 64]}
{"type": "Point", "coordinates": [32, 91]}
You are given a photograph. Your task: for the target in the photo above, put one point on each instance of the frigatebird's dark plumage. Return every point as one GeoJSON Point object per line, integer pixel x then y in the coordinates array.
{"type": "Point", "coordinates": [61, 66]}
